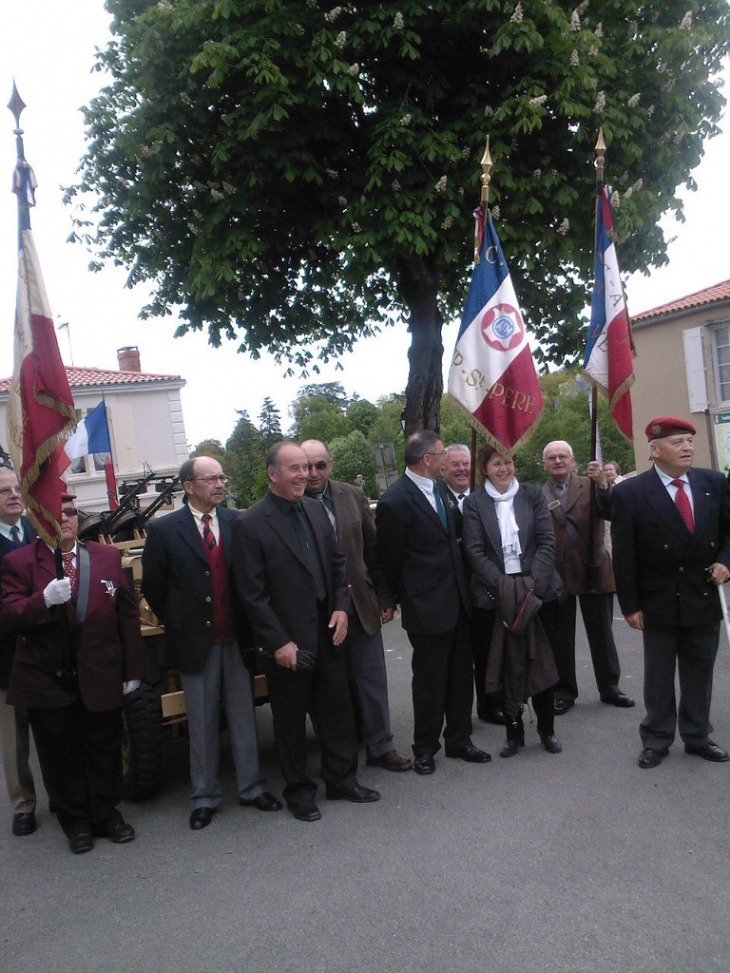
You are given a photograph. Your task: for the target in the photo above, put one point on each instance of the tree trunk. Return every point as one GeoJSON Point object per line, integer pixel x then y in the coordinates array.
{"type": "Point", "coordinates": [425, 378]}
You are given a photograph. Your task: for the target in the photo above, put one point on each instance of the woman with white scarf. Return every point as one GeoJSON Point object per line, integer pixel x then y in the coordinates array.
{"type": "Point", "coordinates": [508, 534]}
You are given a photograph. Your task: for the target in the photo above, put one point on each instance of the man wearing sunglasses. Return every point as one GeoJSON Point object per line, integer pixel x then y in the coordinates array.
{"type": "Point", "coordinates": [373, 604]}
{"type": "Point", "coordinates": [79, 650]}
{"type": "Point", "coordinates": [186, 579]}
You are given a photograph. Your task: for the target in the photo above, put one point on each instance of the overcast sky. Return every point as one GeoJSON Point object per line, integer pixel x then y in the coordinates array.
{"type": "Point", "coordinates": [48, 47]}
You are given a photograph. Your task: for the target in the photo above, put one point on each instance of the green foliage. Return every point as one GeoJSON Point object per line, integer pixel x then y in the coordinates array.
{"type": "Point", "coordinates": [318, 417]}
{"type": "Point", "coordinates": [363, 415]}
{"type": "Point", "coordinates": [352, 457]}
{"type": "Point", "coordinates": [294, 175]}
{"type": "Point", "coordinates": [567, 417]}
{"type": "Point", "coordinates": [270, 422]}
{"type": "Point", "coordinates": [246, 463]}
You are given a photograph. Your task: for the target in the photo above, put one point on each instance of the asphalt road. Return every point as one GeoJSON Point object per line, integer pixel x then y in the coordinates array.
{"type": "Point", "coordinates": [570, 863]}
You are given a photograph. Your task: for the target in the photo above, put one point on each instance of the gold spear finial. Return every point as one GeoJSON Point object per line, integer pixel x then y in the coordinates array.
{"type": "Point", "coordinates": [600, 155]}
{"type": "Point", "coordinates": [486, 165]}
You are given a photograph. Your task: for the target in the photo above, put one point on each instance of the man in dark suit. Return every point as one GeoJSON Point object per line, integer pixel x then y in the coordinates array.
{"type": "Point", "coordinates": [373, 603]}
{"type": "Point", "coordinates": [290, 576]}
{"type": "Point", "coordinates": [584, 566]}
{"type": "Point", "coordinates": [79, 649]}
{"type": "Point", "coordinates": [418, 552]}
{"type": "Point", "coordinates": [186, 579]}
{"type": "Point", "coordinates": [15, 532]}
{"type": "Point", "coordinates": [671, 545]}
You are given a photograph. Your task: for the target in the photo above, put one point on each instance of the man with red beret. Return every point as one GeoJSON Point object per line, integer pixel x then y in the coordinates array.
{"type": "Point", "coordinates": [671, 549]}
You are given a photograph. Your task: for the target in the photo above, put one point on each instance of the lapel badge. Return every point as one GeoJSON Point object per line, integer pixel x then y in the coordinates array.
{"type": "Point", "coordinates": [109, 588]}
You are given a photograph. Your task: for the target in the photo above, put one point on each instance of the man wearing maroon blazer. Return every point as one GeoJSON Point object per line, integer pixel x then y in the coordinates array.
{"type": "Point", "coordinates": [78, 650]}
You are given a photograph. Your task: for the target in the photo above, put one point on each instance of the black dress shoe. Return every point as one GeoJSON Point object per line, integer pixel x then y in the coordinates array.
{"type": "Point", "coordinates": [308, 811]}
{"type": "Point", "coordinates": [649, 757]}
{"type": "Point", "coordinates": [561, 706]}
{"type": "Point", "coordinates": [392, 760]}
{"type": "Point", "coordinates": [618, 699]}
{"type": "Point", "coordinates": [709, 751]}
{"type": "Point", "coordinates": [120, 832]}
{"type": "Point", "coordinates": [355, 793]}
{"type": "Point", "coordinates": [24, 823]}
{"type": "Point", "coordinates": [79, 843]}
{"type": "Point", "coordinates": [264, 802]}
{"type": "Point", "coordinates": [424, 765]}
{"type": "Point", "coordinates": [491, 714]}
{"type": "Point", "coordinates": [201, 817]}
{"type": "Point", "coordinates": [470, 753]}
{"type": "Point", "coordinates": [550, 742]}
{"type": "Point", "coordinates": [510, 749]}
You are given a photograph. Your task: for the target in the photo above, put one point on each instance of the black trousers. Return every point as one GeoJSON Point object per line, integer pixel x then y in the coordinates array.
{"type": "Point", "coordinates": [80, 754]}
{"type": "Point", "coordinates": [325, 691]}
{"type": "Point", "coordinates": [442, 688]}
{"type": "Point", "coordinates": [692, 651]}
{"type": "Point", "coordinates": [558, 619]}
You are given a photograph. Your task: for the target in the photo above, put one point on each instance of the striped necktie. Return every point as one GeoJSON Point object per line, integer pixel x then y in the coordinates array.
{"type": "Point", "coordinates": [208, 535]}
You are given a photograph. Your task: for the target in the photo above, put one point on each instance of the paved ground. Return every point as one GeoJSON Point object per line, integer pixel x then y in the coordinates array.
{"type": "Point", "coordinates": [575, 863]}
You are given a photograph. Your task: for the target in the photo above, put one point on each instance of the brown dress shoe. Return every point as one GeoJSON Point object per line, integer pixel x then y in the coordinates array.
{"type": "Point", "coordinates": [392, 760]}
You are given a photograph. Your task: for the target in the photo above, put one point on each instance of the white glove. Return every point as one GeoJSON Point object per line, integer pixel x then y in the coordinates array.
{"type": "Point", "coordinates": [129, 687]}
{"type": "Point", "coordinates": [57, 592]}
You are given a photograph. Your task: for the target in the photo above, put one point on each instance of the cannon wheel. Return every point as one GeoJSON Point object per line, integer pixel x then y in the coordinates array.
{"type": "Point", "coordinates": [145, 744]}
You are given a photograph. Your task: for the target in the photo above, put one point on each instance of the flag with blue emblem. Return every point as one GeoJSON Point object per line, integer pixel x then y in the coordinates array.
{"type": "Point", "coordinates": [493, 375]}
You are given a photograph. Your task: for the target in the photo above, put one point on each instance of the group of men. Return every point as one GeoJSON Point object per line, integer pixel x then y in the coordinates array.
{"type": "Point", "coordinates": [307, 576]}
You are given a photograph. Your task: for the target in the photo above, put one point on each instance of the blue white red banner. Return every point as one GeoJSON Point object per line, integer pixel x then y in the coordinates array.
{"type": "Point", "coordinates": [91, 436]}
{"type": "Point", "coordinates": [493, 375]}
{"type": "Point", "coordinates": [609, 354]}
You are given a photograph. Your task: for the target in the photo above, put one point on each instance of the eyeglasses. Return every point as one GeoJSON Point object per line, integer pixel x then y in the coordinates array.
{"type": "Point", "coordinates": [442, 453]}
{"type": "Point", "coordinates": [6, 491]}
{"type": "Point", "coordinates": [558, 457]}
{"type": "Point", "coordinates": [320, 465]}
{"type": "Point", "coordinates": [214, 478]}
{"type": "Point", "coordinates": [69, 512]}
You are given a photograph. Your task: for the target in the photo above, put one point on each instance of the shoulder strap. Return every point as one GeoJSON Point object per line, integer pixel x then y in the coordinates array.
{"type": "Point", "coordinates": [82, 599]}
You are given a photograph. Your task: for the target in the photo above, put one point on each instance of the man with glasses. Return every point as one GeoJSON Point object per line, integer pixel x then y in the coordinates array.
{"type": "Point", "coordinates": [418, 552]}
{"type": "Point", "coordinates": [15, 532]}
{"type": "Point", "coordinates": [79, 652]}
{"type": "Point", "coordinates": [584, 566]}
{"type": "Point", "coordinates": [349, 512]}
{"type": "Point", "coordinates": [186, 579]}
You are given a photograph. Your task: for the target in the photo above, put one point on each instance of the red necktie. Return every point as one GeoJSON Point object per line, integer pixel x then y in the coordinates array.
{"type": "Point", "coordinates": [683, 505]}
{"type": "Point", "coordinates": [208, 535]}
{"type": "Point", "coordinates": [69, 569]}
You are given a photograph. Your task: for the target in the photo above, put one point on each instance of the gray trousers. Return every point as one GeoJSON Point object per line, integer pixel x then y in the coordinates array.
{"type": "Point", "coordinates": [365, 658]}
{"type": "Point", "coordinates": [15, 744]}
{"type": "Point", "coordinates": [226, 679]}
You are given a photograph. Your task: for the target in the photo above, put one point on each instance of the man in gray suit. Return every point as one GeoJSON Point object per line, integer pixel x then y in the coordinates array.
{"type": "Point", "coordinates": [373, 603]}
{"type": "Point", "coordinates": [15, 531]}
{"type": "Point", "coordinates": [187, 582]}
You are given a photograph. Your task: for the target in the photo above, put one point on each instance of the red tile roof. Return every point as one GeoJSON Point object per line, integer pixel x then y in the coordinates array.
{"type": "Point", "coordinates": [83, 378]}
{"type": "Point", "coordinates": [707, 296]}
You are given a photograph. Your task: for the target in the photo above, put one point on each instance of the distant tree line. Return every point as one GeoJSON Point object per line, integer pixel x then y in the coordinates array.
{"type": "Point", "coordinates": [352, 426]}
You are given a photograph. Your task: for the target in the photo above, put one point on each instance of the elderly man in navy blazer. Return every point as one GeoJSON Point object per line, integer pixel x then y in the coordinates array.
{"type": "Point", "coordinates": [186, 567]}
{"type": "Point", "coordinates": [671, 545]}
{"type": "Point", "coordinates": [15, 531]}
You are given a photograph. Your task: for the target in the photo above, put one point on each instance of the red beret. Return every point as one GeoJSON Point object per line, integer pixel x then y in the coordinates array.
{"type": "Point", "coordinates": [668, 426]}
{"type": "Point", "coordinates": [65, 497]}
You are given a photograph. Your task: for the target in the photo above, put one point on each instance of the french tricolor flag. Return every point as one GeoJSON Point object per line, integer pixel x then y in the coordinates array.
{"type": "Point", "coordinates": [92, 436]}
{"type": "Point", "coordinates": [493, 375]}
{"type": "Point", "coordinates": [609, 354]}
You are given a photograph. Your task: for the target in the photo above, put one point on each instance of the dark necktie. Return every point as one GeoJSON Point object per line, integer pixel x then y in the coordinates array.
{"type": "Point", "coordinates": [330, 513]}
{"type": "Point", "coordinates": [440, 508]}
{"type": "Point", "coordinates": [69, 568]}
{"type": "Point", "coordinates": [15, 535]}
{"type": "Point", "coordinates": [208, 535]}
{"type": "Point", "coordinates": [683, 505]}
